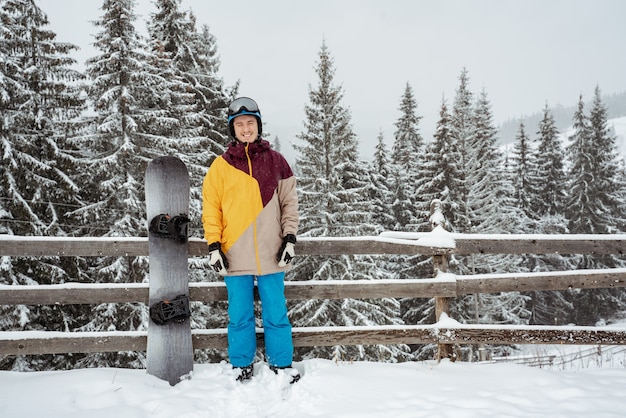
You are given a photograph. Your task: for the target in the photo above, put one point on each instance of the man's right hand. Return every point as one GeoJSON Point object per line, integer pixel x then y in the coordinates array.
{"type": "Point", "coordinates": [217, 259]}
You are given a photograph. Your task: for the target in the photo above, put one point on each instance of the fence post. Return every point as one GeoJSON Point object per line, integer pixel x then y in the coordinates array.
{"type": "Point", "coordinates": [440, 264]}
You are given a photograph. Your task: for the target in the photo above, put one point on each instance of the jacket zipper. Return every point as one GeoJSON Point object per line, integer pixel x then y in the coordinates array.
{"type": "Point", "coordinates": [254, 234]}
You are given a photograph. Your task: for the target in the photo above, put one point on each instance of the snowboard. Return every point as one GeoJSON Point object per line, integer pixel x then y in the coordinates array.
{"type": "Point", "coordinates": [169, 350]}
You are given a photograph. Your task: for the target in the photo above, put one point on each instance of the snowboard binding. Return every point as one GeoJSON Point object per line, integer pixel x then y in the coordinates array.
{"type": "Point", "coordinates": [175, 310]}
{"type": "Point", "coordinates": [166, 226]}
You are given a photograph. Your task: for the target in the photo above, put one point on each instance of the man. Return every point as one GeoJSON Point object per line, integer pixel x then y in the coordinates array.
{"type": "Point", "coordinates": [250, 218]}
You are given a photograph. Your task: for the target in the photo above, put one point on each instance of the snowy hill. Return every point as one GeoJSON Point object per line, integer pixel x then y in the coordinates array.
{"type": "Point", "coordinates": [617, 125]}
{"type": "Point", "coordinates": [615, 105]}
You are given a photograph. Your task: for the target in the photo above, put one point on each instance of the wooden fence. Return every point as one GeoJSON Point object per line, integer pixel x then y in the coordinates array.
{"type": "Point", "coordinates": [438, 244]}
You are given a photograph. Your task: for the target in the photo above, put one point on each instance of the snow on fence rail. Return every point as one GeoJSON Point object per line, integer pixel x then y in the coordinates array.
{"type": "Point", "coordinates": [438, 244]}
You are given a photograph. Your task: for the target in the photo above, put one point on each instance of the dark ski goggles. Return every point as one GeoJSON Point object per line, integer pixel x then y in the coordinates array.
{"type": "Point", "coordinates": [242, 105]}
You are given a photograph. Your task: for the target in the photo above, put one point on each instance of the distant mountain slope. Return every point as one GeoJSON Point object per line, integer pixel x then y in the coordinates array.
{"type": "Point", "coordinates": [617, 125]}
{"type": "Point", "coordinates": [615, 104]}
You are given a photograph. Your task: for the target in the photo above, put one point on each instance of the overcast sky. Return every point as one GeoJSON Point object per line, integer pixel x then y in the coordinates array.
{"type": "Point", "coordinates": [524, 53]}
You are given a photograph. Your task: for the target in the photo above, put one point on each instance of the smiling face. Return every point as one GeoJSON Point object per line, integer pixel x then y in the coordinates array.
{"type": "Point", "coordinates": [246, 128]}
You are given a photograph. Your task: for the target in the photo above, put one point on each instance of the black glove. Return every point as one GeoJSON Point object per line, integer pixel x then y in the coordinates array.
{"type": "Point", "coordinates": [217, 259]}
{"type": "Point", "coordinates": [287, 250]}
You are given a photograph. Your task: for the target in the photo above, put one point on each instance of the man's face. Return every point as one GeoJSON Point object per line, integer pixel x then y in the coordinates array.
{"type": "Point", "coordinates": [246, 128]}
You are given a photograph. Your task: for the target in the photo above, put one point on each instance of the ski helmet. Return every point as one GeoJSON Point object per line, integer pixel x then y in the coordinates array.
{"type": "Point", "coordinates": [243, 106]}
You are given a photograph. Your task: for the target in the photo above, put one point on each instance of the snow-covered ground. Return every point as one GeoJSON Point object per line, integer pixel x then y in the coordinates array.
{"type": "Point", "coordinates": [327, 389]}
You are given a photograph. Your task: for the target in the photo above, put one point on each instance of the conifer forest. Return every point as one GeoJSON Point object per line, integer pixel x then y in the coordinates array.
{"type": "Point", "coordinates": [75, 146]}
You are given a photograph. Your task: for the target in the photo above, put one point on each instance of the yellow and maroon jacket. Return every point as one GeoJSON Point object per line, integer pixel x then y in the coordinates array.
{"type": "Point", "coordinates": [249, 204]}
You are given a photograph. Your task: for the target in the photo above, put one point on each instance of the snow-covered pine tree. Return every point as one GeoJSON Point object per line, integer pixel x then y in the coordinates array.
{"type": "Point", "coordinates": [331, 187]}
{"type": "Point", "coordinates": [409, 206]}
{"type": "Point", "coordinates": [462, 132]}
{"type": "Point", "coordinates": [417, 173]}
{"type": "Point", "coordinates": [438, 176]}
{"type": "Point", "coordinates": [492, 210]}
{"type": "Point", "coordinates": [38, 95]}
{"type": "Point", "coordinates": [328, 136]}
{"type": "Point", "coordinates": [523, 164]}
{"type": "Point", "coordinates": [547, 206]}
{"type": "Point", "coordinates": [194, 62]}
{"type": "Point", "coordinates": [580, 209]}
{"type": "Point", "coordinates": [380, 195]}
{"type": "Point", "coordinates": [440, 168]}
{"type": "Point", "coordinates": [129, 127]}
{"type": "Point", "coordinates": [276, 144]}
{"type": "Point", "coordinates": [480, 161]}
{"type": "Point", "coordinates": [407, 147]}
{"type": "Point", "coordinates": [492, 206]}
{"type": "Point", "coordinates": [607, 171]}
{"type": "Point", "coordinates": [550, 158]}
{"type": "Point", "coordinates": [594, 205]}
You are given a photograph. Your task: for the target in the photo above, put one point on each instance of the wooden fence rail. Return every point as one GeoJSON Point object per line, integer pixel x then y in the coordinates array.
{"type": "Point", "coordinates": [51, 342]}
{"type": "Point", "coordinates": [447, 286]}
{"type": "Point", "coordinates": [426, 243]}
{"type": "Point", "coordinates": [442, 287]}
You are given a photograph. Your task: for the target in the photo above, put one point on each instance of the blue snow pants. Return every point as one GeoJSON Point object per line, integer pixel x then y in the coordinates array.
{"type": "Point", "coordinates": [241, 325]}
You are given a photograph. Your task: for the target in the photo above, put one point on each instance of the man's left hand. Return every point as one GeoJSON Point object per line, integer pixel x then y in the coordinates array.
{"type": "Point", "coordinates": [287, 250]}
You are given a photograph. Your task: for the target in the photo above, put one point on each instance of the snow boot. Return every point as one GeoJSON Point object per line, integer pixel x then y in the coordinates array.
{"type": "Point", "coordinates": [245, 373]}
{"type": "Point", "coordinates": [293, 373]}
